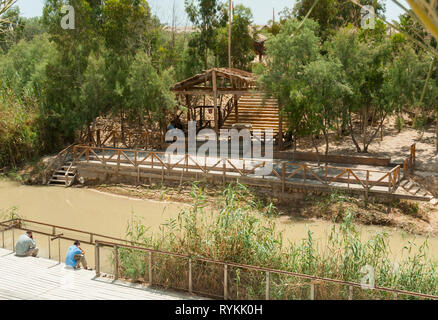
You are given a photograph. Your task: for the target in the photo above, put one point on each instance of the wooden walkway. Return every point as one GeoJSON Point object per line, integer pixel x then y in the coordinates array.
{"type": "Point", "coordinates": [42, 279]}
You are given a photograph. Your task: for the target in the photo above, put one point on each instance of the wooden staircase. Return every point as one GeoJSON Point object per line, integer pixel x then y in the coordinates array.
{"type": "Point", "coordinates": [415, 189]}
{"type": "Point", "coordinates": [257, 112]}
{"type": "Point", "coordinates": [64, 176]}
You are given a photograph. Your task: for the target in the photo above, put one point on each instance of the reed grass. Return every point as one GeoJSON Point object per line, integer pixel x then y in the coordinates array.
{"type": "Point", "coordinates": [244, 231]}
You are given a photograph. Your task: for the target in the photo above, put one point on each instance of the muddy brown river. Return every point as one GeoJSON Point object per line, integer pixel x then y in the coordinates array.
{"type": "Point", "coordinates": [107, 214]}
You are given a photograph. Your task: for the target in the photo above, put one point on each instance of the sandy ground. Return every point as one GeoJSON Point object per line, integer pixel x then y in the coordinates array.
{"type": "Point", "coordinates": [394, 145]}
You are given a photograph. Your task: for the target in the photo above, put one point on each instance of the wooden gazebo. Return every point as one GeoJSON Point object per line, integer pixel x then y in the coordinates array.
{"type": "Point", "coordinates": [227, 89]}
{"type": "Point", "coordinates": [215, 83]}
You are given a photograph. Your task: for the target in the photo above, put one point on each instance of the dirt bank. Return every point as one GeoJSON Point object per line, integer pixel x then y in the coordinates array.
{"type": "Point", "coordinates": [412, 217]}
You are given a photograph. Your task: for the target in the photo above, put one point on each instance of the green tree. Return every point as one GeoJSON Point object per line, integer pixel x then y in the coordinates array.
{"type": "Point", "coordinates": [242, 40]}
{"type": "Point", "coordinates": [150, 95]}
{"type": "Point", "coordinates": [206, 15]}
{"type": "Point", "coordinates": [282, 77]}
{"type": "Point", "coordinates": [324, 88]}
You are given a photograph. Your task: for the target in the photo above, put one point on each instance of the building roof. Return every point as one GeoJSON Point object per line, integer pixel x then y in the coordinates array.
{"type": "Point", "coordinates": [241, 79]}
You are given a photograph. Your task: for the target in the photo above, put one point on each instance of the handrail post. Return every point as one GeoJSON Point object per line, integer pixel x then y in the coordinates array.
{"type": "Point", "coordinates": [350, 293]}
{"type": "Point", "coordinates": [59, 249]}
{"type": "Point", "coordinates": [224, 166]}
{"type": "Point", "coordinates": [3, 238]}
{"type": "Point", "coordinates": [268, 278]}
{"type": "Point", "coordinates": [190, 276]}
{"type": "Point", "coordinates": [116, 262]}
{"type": "Point", "coordinates": [225, 281]}
{"type": "Point", "coordinates": [50, 250]}
{"type": "Point", "coordinates": [283, 176]}
{"type": "Point", "coordinates": [150, 268]}
{"type": "Point", "coordinates": [312, 291]}
{"type": "Point", "coordinates": [97, 259]}
{"type": "Point", "coordinates": [13, 239]}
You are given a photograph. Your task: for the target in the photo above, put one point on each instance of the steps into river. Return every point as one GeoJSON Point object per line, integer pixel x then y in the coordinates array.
{"type": "Point", "coordinates": [256, 111]}
{"type": "Point", "coordinates": [64, 176]}
{"type": "Point", "coordinates": [415, 189]}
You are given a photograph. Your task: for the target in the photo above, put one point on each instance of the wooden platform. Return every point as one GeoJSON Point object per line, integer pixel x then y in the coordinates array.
{"type": "Point", "coordinates": [42, 279]}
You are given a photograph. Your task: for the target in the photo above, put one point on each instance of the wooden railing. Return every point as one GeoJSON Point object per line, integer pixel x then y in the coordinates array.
{"type": "Point", "coordinates": [18, 224]}
{"type": "Point", "coordinates": [409, 163]}
{"type": "Point", "coordinates": [282, 174]}
{"type": "Point", "coordinates": [56, 163]}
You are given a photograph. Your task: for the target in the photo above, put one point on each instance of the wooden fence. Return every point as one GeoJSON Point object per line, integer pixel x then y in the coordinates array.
{"type": "Point", "coordinates": [283, 173]}
{"type": "Point", "coordinates": [118, 244]}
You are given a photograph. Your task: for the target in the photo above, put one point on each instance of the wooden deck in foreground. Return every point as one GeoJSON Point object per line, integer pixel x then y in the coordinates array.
{"type": "Point", "coordinates": [42, 279]}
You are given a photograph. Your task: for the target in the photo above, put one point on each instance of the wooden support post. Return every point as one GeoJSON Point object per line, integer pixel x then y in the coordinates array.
{"type": "Point", "coordinates": [348, 185]}
{"type": "Point", "coordinates": [236, 108]}
{"type": "Point", "coordinates": [283, 177]}
{"type": "Point", "coordinates": [13, 240]}
{"type": "Point", "coordinates": [312, 291]}
{"type": "Point", "coordinates": [350, 293]}
{"type": "Point", "coordinates": [280, 131]}
{"type": "Point", "coordinates": [118, 161]}
{"type": "Point", "coordinates": [305, 176]}
{"type": "Point", "coordinates": [150, 268]}
{"type": "Point", "coordinates": [50, 251]}
{"type": "Point", "coordinates": [395, 296]}
{"type": "Point", "coordinates": [267, 284]}
{"type": "Point", "coordinates": [97, 259]}
{"type": "Point", "coordinates": [225, 281]}
{"type": "Point", "coordinates": [3, 238]}
{"type": "Point", "coordinates": [224, 167]}
{"type": "Point", "coordinates": [116, 262]}
{"type": "Point", "coordinates": [389, 182]}
{"type": "Point", "coordinates": [59, 249]}
{"type": "Point", "coordinates": [367, 187]}
{"type": "Point", "coordinates": [190, 276]}
{"type": "Point", "coordinates": [216, 113]}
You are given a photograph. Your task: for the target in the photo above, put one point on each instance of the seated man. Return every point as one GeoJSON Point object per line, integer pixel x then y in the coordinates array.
{"type": "Point", "coordinates": [76, 256]}
{"type": "Point", "coordinates": [26, 245]}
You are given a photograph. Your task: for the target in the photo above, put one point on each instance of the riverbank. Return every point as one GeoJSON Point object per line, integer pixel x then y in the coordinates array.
{"type": "Point", "coordinates": [409, 216]}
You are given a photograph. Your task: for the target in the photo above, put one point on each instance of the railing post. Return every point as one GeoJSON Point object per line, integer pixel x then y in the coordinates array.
{"type": "Point", "coordinates": [267, 284]}
{"type": "Point", "coordinates": [150, 268]}
{"type": "Point", "coordinates": [224, 166]}
{"type": "Point", "coordinates": [116, 262]}
{"type": "Point", "coordinates": [50, 248]}
{"type": "Point", "coordinates": [225, 281]}
{"type": "Point", "coordinates": [91, 238]}
{"type": "Point", "coordinates": [190, 276]}
{"type": "Point", "coordinates": [13, 239]}
{"type": "Point", "coordinates": [350, 293]}
{"type": "Point", "coordinates": [97, 259]}
{"type": "Point", "coordinates": [3, 238]}
{"type": "Point", "coordinates": [59, 249]}
{"type": "Point", "coordinates": [395, 296]}
{"type": "Point", "coordinates": [366, 187]}
{"type": "Point", "coordinates": [283, 177]}
{"type": "Point", "coordinates": [389, 182]}
{"type": "Point", "coordinates": [312, 291]}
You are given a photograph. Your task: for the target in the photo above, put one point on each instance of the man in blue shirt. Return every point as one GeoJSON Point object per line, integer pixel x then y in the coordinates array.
{"type": "Point", "coordinates": [75, 256]}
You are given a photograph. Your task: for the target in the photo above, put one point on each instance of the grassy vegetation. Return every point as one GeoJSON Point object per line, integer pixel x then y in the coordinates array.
{"type": "Point", "coordinates": [243, 232]}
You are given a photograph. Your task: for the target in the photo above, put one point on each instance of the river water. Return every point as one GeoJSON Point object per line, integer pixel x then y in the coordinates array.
{"type": "Point", "coordinates": [97, 212]}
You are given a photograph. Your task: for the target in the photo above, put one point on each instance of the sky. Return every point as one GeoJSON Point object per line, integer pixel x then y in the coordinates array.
{"type": "Point", "coordinates": [262, 9]}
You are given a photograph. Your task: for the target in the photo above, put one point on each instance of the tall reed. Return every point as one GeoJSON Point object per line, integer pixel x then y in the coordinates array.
{"type": "Point", "coordinates": [243, 231]}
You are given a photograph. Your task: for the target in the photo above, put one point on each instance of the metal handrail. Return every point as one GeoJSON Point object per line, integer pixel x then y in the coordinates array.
{"type": "Point", "coordinates": [192, 258]}
{"type": "Point", "coordinates": [16, 224]}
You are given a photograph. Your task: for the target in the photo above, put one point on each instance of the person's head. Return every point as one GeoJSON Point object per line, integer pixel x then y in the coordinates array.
{"type": "Point", "coordinates": [29, 233]}
{"type": "Point", "coordinates": [77, 243]}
